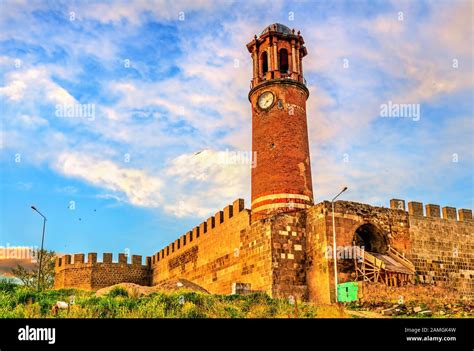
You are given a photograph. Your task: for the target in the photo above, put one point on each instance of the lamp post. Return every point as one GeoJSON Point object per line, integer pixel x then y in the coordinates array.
{"type": "Point", "coordinates": [42, 242]}
{"type": "Point", "coordinates": [334, 252]}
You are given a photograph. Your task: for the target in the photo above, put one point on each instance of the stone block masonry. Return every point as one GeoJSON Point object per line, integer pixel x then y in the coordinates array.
{"type": "Point", "coordinates": [283, 245]}
{"type": "Point", "coordinates": [222, 251]}
{"type": "Point", "coordinates": [442, 249]}
{"type": "Point", "coordinates": [288, 240]}
{"type": "Point", "coordinates": [290, 254]}
{"type": "Point", "coordinates": [386, 227]}
{"type": "Point", "coordinates": [93, 275]}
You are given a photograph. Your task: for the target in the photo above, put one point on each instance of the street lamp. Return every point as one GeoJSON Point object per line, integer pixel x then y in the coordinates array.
{"type": "Point", "coordinates": [334, 242]}
{"type": "Point", "coordinates": [42, 242]}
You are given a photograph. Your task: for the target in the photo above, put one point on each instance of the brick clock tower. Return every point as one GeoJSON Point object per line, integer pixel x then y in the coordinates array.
{"type": "Point", "coordinates": [281, 179]}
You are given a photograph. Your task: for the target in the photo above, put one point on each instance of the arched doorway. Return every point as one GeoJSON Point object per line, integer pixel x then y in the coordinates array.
{"type": "Point", "coordinates": [372, 238]}
{"type": "Point", "coordinates": [378, 262]}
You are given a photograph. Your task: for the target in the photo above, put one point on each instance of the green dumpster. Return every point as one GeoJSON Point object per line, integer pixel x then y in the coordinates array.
{"type": "Point", "coordinates": [347, 292]}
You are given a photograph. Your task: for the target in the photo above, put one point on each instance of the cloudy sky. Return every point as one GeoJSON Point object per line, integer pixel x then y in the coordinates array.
{"type": "Point", "coordinates": [168, 83]}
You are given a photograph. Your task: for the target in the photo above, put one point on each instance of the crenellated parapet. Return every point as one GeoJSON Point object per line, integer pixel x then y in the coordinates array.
{"type": "Point", "coordinates": [441, 244]}
{"type": "Point", "coordinates": [432, 210]}
{"type": "Point", "coordinates": [78, 260]}
{"type": "Point", "coordinates": [206, 228]}
{"type": "Point", "coordinates": [74, 271]}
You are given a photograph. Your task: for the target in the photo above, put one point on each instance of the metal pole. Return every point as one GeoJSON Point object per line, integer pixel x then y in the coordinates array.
{"type": "Point", "coordinates": [42, 242]}
{"type": "Point", "coordinates": [41, 254]}
{"type": "Point", "coordinates": [334, 251]}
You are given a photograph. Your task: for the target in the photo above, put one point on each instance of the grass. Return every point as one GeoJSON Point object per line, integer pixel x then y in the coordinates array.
{"type": "Point", "coordinates": [20, 302]}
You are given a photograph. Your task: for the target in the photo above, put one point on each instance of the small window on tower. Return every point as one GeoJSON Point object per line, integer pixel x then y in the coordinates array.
{"type": "Point", "coordinates": [264, 63]}
{"type": "Point", "coordinates": [284, 61]}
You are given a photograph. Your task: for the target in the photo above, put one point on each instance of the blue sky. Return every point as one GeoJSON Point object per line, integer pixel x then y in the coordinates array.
{"type": "Point", "coordinates": [169, 81]}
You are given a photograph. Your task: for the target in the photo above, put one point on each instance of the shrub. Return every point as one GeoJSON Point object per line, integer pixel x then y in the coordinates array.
{"type": "Point", "coordinates": [118, 291]}
{"type": "Point", "coordinates": [21, 302]}
{"type": "Point", "coordinates": [8, 285]}
{"type": "Point", "coordinates": [190, 310]}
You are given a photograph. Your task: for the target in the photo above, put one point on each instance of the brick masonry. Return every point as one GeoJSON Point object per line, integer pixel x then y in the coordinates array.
{"type": "Point", "coordinates": [93, 275]}
{"type": "Point", "coordinates": [287, 254]}
{"type": "Point", "coordinates": [349, 216]}
{"type": "Point", "coordinates": [285, 251]}
{"type": "Point", "coordinates": [281, 178]}
{"type": "Point", "coordinates": [231, 251]}
{"type": "Point", "coordinates": [443, 252]}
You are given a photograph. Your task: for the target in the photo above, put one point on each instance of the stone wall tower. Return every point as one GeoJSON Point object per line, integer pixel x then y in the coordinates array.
{"type": "Point", "coordinates": [281, 179]}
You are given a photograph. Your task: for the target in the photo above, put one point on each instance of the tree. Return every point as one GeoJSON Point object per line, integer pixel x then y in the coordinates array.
{"type": "Point", "coordinates": [29, 277]}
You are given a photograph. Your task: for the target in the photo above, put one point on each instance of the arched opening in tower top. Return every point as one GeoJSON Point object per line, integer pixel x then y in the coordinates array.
{"type": "Point", "coordinates": [284, 61]}
{"type": "Point", "coordinates": [264, 59]}
{"type": "Point", "coordinates": [372, 238]}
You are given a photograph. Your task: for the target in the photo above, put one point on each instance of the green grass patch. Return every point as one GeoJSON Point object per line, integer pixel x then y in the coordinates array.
{"type": "Point", "coordinates": [20, 302]}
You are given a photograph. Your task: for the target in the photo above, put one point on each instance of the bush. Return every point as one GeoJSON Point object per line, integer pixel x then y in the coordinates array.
{"type": "Point", "coordinates": [21, 302]}
{"type": "Point", "coordinates": [7, 285]}
{"type": "Point", "coordinates": [118, 291]}
{"type": "Point", "coordinates": [25, 296]}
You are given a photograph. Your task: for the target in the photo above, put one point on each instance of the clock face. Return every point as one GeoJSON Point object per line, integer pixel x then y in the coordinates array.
{"type": "Point", "coordinates": [265, 100]}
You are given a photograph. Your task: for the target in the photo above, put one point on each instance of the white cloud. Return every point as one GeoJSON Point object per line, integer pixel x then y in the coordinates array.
{"type": "Point", "coordinates": [35, 84]}
{"type": "Point", "coordinates": [203, 183]}
{"type": "Point", "coordinates": [387, 60]}
{"type": "Point", "coordinates": [197, 184]}
{"type": "Point", "coordinates": [140, 188]}
{"type": "Point", "coordinates": [118, 11]}
{"type": "Point", "coordinates": [31, 122]}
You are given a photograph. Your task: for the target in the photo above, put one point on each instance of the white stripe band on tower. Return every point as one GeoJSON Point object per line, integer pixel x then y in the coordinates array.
{"type": "Point", "coordinates": [281, 196]}
{"type": "Point", "coordinates": [280, 205]}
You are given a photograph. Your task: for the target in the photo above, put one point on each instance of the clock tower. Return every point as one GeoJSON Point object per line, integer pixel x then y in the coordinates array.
{"type": "Point", "coordinates": [281, 177]}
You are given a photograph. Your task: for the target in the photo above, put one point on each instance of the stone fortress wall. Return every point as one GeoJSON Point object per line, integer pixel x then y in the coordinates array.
{"type": "Point", "coordinates": [287, 254]}
{"type": "Point", "coordinates": [93, 275]}
{"type": "Point", "coordinates": [440, 247]}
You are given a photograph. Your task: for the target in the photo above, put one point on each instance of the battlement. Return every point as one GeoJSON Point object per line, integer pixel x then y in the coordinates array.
{"type": "Point", "coordinates": [66, 261]}
{"type": "Point", "coordinates": [206, 228]}
{"type": "Point", "coordinates": [74, 271]}
{"type": "Point", "coordinates": [432, 211]}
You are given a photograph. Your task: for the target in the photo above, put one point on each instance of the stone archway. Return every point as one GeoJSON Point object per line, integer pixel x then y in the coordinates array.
{"type": "Point", "coordinates": [372, 238]}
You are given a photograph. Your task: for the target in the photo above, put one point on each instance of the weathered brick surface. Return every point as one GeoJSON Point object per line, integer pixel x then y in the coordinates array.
{"type": "Point", "coordinates": [348, 216]}
{"type": "Point", "coordinates": [93, 275]}
{"type": "Point", "coordinates": [233, 251]}
{"type": "Point", "coordinates": [449, 213]}
{"type": "Point", "coordinates": [317, 265]}
{"type": "Point", "coordinates": [280, 140]}
{"type": "Point", "coordinates": [284, 247]}
{"type": "Point", "coordinates": [415, 208]}
{"type": "Point", "coordinates": [288, 254]}
{"type": "Point", "coordinates": [397, 204]}
{"type": "Point", "coordinates": [443, 252]}
{"type": "Point", "coordinates": [433, 211]}
{"type": "Point", "coordinates": [279, 131]}
{"type": "Point", "coordinates": [465, 215]}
